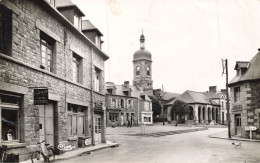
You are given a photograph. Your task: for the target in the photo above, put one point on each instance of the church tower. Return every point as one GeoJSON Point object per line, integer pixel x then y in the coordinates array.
{"type": "Point", "coordinates": [142, 64]}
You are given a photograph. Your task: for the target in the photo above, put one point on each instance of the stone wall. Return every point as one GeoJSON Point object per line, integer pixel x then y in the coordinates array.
{"type": "Point", "coordinates": [22, 68]}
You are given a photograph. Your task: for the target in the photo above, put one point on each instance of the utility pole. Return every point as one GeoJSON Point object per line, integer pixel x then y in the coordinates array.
{"type": "Point", "coordinates": [162, 103]}
{"type": "Point", "coordinates": [227, 94]}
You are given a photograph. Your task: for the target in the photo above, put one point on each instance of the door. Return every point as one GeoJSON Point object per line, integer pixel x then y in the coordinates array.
{"type": "Point", "coordinates": [97, 129]}
{"type": "Point", "coordinates": [237, 124]}
{"type": "Point", "coordinates": [46, 121]}
{"type": "Point", "coordinates": [222, 117]}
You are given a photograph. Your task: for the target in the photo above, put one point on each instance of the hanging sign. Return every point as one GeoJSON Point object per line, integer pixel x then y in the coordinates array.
{"type": "Point", "coordinates": [41, 96]}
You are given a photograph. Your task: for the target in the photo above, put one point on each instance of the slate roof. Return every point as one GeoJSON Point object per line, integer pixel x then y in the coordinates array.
{"type": "Point", "coordinates": [88, 26]}
{"type": "Point", "coordinates": [252, 73]}
{"type": "Point", "coordinates": [195, 97]}
{"type": "Point", "coordinates": [135, 91]}
{"type": "Point", "coordinates": [67, 3]}
{"type": "Point", "coordinates": [170, 95]}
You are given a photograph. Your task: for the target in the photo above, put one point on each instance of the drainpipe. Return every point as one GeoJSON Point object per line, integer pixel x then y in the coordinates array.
{"type": "Point", "coordinates": [91, 101]}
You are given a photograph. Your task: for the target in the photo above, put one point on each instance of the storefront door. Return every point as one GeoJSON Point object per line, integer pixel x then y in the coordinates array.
{"type": "Point", "coordinates": [237, 124]}
{"type": "Point", "coordinates": [97, 129]}
{"type": "Point", "coordinates": [46, 120]}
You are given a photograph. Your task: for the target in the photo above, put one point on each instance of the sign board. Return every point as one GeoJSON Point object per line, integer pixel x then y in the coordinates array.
{"type": "Point", "coordinates": [87, 142]}
{"type": "Point", "coordinates": [41, 96]}
{"type": "Point", "coordinates": [250, 128]}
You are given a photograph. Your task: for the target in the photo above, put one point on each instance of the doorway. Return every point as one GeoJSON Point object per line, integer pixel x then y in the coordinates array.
{"type": "Point", "coordinates": [46, 122]}
{"type": "Point", "coordinates": [97, 129]}
{"type": "Point", "coordinates": [237, 124]}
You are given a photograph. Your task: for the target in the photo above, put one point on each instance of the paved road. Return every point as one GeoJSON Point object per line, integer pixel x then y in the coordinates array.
{"type": "Point", "coordinates": [195, 147]}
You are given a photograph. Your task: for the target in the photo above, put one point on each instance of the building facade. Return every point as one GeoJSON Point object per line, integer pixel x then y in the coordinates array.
{"type": "Point", "coordinates": [43, 47]}
{"type": "Point", "coordinates": [127, 102]}
{"type": "Point", "coordinates": [203, 108]}
{"type": "Point", "coordinates": [245, 98]}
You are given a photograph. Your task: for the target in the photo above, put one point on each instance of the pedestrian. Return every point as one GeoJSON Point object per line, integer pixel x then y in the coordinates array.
{"type": "Point", "coordinates": [131, 122]}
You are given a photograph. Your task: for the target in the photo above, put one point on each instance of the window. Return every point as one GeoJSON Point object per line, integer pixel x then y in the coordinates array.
{"type": "Point", "coordinates": [47, 44]}
{"type": "Point", "coordinates": [5, 30]}
{"type": "Point", "coordinates": [148, 71]}
{"type": "Point", "coordinates": [76, 68]}
{"type": "Point", "coordinates": [9, 112]}
{"type": "Point", "coordinates": [76, 117]}
{"type": "Point", "coordinates": [97, 79]}
{"type": "Point", "coordinates": [122, 104]}
{"type": "Point", "coordinates": [137, 71]}
{"type": "Point", "coordinates": [237, 94]}
{"type": "Point", "coordinates": [97, 41]}
{"type": "Point", "coordinates": [77, 21]}
{"type": "Point", "coordinates": [113, 117]}
{"type": "Point", "coordinates": [113, 104]}
{"type": "Point", "coordinates": [129, 104]}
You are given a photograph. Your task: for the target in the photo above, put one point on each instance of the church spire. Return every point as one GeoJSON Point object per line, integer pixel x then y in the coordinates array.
{"type": "Point", "coordinates": [142, 39]}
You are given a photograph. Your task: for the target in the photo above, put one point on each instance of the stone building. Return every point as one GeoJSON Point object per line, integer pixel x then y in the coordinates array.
{"type": "Point", "coordinates": [125, 102]}
{"type": "Point", "coordinates": [245, 97]}
{"type": "Point", "coordinates": [204, 107]}
{"type": "Point", "coordinates": [43, 45]}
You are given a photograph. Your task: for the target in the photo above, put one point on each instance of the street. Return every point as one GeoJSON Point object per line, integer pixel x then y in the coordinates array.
{"type": "Point", "coordinates": [193, 146]}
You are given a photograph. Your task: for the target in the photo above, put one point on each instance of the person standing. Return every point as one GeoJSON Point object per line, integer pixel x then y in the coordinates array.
{"type": "Point", "coordinates": [128, 123]}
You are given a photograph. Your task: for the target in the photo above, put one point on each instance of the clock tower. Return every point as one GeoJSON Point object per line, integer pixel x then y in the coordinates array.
{"type": "Point", "coordinates": [142, 64]}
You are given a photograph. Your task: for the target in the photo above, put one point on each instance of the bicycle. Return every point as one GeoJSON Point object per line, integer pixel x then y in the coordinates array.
{"type": "Point", "coordinates": [6, 156]}
{"type": "Point", "coordinates": [49, 157]}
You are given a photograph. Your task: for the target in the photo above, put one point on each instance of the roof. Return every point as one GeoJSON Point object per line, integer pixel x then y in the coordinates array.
{"type": "Point", "coordinates": [252, 73]}
{"type": "Point", "coordinates": [88, 26]}
{"type": "Point", "coordinates": [136, 92]}
{"type": "Point", "coordinates": [142, 54]}
{"type": "Point", "coordinates": [66, 4]}
{"type": "Point", "coordinates": [170, 95]}
{"type": "Point", "coordinates": [194, 97]}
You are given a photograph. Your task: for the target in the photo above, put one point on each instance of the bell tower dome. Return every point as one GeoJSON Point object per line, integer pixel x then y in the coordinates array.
{"type": "Point", "coordinates": [142, 64]}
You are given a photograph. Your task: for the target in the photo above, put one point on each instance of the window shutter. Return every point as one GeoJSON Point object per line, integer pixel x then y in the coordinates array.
{"type": "Point", "coordinates": [116, 104]}
{"type": "Point", "coordinates": [132, 104]}
{"type": "Point", "coordinates": [111, 102]}
{"type": "Point", "coordinates": [125, 103]}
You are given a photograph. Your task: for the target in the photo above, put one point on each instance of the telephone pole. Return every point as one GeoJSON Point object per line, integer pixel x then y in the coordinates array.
{"type": "Point", "coordinates": [225, 65]}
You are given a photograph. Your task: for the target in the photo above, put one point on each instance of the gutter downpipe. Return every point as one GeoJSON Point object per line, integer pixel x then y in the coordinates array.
{"type": "Point", "coordinates": [91, 101]}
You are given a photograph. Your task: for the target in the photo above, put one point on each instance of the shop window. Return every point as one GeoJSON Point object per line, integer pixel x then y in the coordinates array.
{"type": "Point", "coordinates": [237, 94]}
{"type": "Point", "coordinates": [9, 111]}
{"type": "Point", "coordinates": [137, 71]}
{"type": "Point", "coordinates": [76, 122]}
{"type": "Point", "coordinates": [113, 117]}
{"type": "Point", "coordinates": [76, 68]}
{"type": "Point", "coordinates": [47, 46]}
{"type": "Point", "coordinates": [5, 30]}
{"type": "Point", "coordinates": [97, 75]}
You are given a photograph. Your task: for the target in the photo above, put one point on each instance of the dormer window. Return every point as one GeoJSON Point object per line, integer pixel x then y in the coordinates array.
{"type": "Point", "coordinates": [51, 2]}
{"type": "Point", "coordinates": [77, 21]}
{"type": "Point", "coordinates": [237, 72]}
{"type": "Point", "coordinates": [110, 91]}
{"type": "Point", "coordinates": [97, 41]}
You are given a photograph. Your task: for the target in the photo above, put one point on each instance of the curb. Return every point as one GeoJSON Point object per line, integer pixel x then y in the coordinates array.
{"type": "Point", "coordinates": [234, 138]}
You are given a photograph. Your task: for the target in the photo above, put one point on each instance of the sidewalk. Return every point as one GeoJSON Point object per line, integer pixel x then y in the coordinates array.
{"type": "Point", "coordinates": [81, 151]}
{"type": "Point", "coordinates": [224, 135]}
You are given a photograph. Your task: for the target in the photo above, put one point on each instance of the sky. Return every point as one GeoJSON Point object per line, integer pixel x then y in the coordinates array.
{"type": "Point", "coordinates": [187, 38]}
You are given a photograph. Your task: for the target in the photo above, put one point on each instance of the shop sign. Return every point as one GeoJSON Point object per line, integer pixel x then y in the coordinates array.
{"type": "Point", "coordinates": [41, 96]}
{"type": "Point", "coordinates": [87, 142]}
{"type": "Point", "coordinates": [237, 107]}
{"type": "Point", "coordinates": [250, 128]}
{"type": "Point", "coordinates": [99, 106]}
{"type": "Point", "coordinates": [64, 147]}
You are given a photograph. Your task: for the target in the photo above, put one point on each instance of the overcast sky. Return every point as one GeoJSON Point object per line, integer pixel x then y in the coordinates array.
{"type": "Point", "coordinates": [187, 38]}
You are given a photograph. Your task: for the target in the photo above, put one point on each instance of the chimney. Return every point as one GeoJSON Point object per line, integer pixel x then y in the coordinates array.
{"type": "Point", "coordinates": [213, 89]}
{"type": "Point", "coordinates": [126, 84]}
{"type": "Point", "coordinates": [223, 91]}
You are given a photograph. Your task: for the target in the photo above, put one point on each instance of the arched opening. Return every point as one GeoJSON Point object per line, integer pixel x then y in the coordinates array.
{"type": "Point", "coordinates": [199, 112]}
{"type": "Point", "coordinates": [209, 115]}
{"type": "Point", "coordinates": [203, 113]}
{"type": "Point", "coordinates": [148, 71]}
{"type": "Point", "coordinates": [137, 72]}
{"type": "Point", "coordinates": [190, 117]}
{"type": "Point", "coordinates": [213, 114]}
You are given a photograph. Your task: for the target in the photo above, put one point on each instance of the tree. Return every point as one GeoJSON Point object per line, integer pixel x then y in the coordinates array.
{"type": "Point", "coordinates": [156, 106]}
{"type": "Point", "coordinates": [180, 109]}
